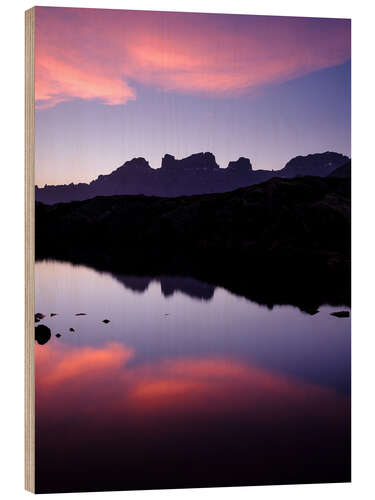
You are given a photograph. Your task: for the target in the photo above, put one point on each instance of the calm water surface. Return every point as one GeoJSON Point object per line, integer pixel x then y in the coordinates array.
{"type": "Point", "coordinates": [187, 385]}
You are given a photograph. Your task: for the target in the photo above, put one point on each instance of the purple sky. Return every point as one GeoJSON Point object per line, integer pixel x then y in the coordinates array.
{"type": "Point", "coordinates": [112, 85]}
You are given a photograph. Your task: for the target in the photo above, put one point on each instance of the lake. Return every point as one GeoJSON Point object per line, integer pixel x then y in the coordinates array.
{"type": "Point", "coordinates": [187, 385]}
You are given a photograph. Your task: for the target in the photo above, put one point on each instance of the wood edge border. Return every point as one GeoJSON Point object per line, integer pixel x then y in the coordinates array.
{"type": "Point", "coordinates": [29, 251]}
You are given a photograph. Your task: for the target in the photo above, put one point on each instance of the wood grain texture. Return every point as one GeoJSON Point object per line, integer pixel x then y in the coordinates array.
{"type": "Point", "coordinates": [29, 252]}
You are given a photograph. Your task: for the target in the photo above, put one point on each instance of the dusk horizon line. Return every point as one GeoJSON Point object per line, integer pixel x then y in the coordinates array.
{"type": "Point", "coordinates": [196, 154]}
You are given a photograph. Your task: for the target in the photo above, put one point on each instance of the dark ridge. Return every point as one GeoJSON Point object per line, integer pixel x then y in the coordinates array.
{"type": "Point", "coordinates": [315, 164]}
{"type": "Point", "coordinates": [285, 241]}
{"type": "Point", "coordinates": [345, 171]}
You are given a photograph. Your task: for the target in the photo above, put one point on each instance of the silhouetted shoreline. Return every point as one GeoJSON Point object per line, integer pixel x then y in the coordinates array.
{"type": "Point", "coordinates": [286, 241]}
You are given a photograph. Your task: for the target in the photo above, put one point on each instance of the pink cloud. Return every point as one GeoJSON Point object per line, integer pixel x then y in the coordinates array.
{"type": "Point", "coordinates": [59, 81]}
{"type": "Point", "coordinates": [98, 54]}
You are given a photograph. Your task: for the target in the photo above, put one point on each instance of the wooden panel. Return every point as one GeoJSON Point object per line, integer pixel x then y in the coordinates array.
{"type": "Point", "coordinates": [29, 253]}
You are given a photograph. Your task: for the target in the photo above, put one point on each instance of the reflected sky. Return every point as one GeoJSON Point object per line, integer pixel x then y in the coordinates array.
{"type": "Point", "coordinates": [286, 340]}
{"type": "Point", "coordinates": [173, 367]}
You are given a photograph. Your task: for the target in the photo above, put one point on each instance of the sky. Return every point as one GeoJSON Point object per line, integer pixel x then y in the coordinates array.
{"type": "Point", "coordinates": [111, 85]}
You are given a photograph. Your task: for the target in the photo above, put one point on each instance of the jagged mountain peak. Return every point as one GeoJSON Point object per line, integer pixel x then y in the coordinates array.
{"type": "Point", "coordinates": [138, 162]}
{"type": "Point", "coordinates": [320, 163]}
{"type": "Point", "coordinates": [242, 164]}
{"type": "Point", "coordinates": [196, 161]}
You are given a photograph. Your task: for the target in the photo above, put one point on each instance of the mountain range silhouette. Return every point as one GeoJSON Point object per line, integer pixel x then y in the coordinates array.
{"type": "Point", "coordinates": [196, 174]}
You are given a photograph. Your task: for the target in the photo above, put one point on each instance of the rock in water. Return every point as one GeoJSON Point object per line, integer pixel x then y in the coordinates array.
{"type": "Point", "coordinates": [71, 330]}
{"type": "Point", "coordinates": [38, 317]}
{"type": "Point", "coordinates": [311, 310]}
{"type": "Point", "coordinates": [80, 314]}
{"type": "Point", "coordinates": [53, 314]}
{"type": "Point", "coordinates": [341, 314]}
{"type": "Point", "coordinates": [58, 335]}
{"type": "Point", "coordinates": [105, 320]}
{"type": "Point", "coordinates": [42, 334]}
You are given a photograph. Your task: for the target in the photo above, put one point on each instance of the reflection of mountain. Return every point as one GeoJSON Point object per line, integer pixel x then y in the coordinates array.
{"type": "Point", "coordinates": [196, 174]}
{"type": "Point", "coordinates": [283, 241]}
{"type": "Point", "coordinates": [190, 286]}
{"type": "Point", "coordinates": [169, 285]}
{"type": "Point", "coordinates": [135, 283]}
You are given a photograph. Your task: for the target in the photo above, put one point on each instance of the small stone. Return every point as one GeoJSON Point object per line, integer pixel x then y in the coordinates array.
{"type": "Point", "coordinates": [106, 321]}
{"type": "Point", "coordinates": [58, 335]}
{"type": "Point", "coordinates": [53, 314]}
{"type": "Point", "coordinates": [71, 330]}
{"type": "Point", "coordinates": [39, 316]}
{"type": "Point", "coordinates": [42, 334]}
{"type": "Point", "coordinates": [341, 314]}
{"type": "Point", "coordinates": [81, 314]}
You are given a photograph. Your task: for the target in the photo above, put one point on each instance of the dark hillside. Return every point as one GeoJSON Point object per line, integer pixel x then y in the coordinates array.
{"type": "Point", "coordinates": [283, 241]}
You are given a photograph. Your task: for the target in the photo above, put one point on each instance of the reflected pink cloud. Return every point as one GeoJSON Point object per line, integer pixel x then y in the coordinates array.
{"type": "Point", "coordinates": [98, 54]}
{"type": "Point", "coordinates": [78, 379]}
{"type": "Point", "coordinates": [86, 361]}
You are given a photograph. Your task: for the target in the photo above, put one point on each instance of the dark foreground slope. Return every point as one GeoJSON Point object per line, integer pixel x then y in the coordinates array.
{"type": "Point", "coordinates": [344, 171]}
{"type": "Point", "coordinates": [283, 241]}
